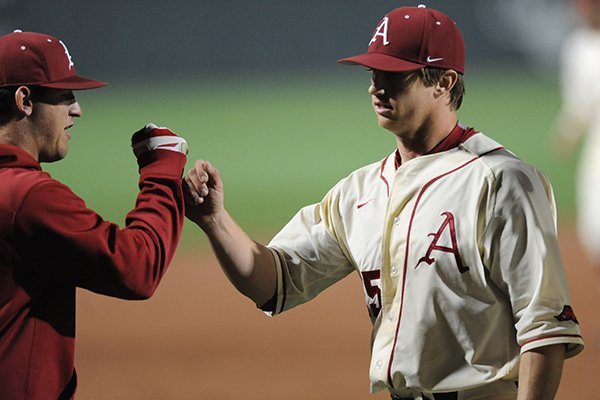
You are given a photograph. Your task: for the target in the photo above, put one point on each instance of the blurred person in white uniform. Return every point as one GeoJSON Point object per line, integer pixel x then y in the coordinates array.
{"type": "Point", "coordinates": [579, 120]}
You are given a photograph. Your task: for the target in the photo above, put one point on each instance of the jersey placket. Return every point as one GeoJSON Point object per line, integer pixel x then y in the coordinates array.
{"type": "Point", "coordinates": [393, 273]}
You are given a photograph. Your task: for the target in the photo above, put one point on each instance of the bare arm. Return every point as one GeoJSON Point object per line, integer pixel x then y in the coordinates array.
{"type": "Point", "coordinates": [249, 265]}
{"type": "Point", "coordinates": [540, 372]}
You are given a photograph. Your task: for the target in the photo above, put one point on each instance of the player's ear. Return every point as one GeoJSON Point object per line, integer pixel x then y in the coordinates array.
{"type": "Point", "coordinates": [23, 100]}
{"type": "Point", "coordinates": [446, 82]}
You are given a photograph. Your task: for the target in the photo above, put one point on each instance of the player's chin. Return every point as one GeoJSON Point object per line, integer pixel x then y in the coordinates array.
{"type": "Point", "coordinates": [49, 158]}
{"type": "Point", "coordinates": [61, 151]}
{"type": "Point", "coordinates": [385, 122]}
{"type": "Point", "coordinates": [60, 155]}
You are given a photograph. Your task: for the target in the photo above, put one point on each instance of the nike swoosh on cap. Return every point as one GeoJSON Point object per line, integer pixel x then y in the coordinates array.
{"type": "Point", "coordinates": [429, 59]}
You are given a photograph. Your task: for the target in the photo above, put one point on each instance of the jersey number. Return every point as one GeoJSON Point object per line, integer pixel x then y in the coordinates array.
{"type": "Point", "coordinates": [371, 280]}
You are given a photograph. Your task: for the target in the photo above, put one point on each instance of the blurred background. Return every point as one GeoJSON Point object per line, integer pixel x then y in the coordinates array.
{"type": "Point", "coordinates": [258, 82]}
{"type": "Point", "coordinates": [140, 39]}
{"type": "Point", "coordinates": [254, 87]}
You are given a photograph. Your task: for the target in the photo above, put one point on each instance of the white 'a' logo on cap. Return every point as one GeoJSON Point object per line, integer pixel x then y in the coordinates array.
{"type": "Point", "coordinates": [381, 30]}
{"type": "Point", "coordinates": [71, 64]}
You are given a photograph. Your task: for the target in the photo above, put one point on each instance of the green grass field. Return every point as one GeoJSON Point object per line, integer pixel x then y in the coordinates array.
{"type": "Point", "coordinates": [282, 141]}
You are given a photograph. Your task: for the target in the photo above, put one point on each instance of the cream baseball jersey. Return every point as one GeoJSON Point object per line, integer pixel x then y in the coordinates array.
{"type": "Point", "coordinates": [459, 260]}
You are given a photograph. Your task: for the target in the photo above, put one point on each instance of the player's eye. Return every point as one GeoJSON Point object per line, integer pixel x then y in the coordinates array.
{"type": "Point", "coordinates": [68, 97]}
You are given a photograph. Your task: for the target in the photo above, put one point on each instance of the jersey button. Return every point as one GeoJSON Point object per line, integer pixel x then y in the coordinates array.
{"type": "Point", "coordinates": [394, 270]}
{"type": "Point", "coordinates": [379, 364]}
{"type": "Point", "coordinates": [396, 221]}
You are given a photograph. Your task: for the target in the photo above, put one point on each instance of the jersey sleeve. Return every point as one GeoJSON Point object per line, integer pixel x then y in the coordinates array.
{"type": "Point", "coordinates": [308, 255]}
{"type": "Point", "coordinates": [521, 247]}
{"type": "Point", "coordinates": [65, 242]}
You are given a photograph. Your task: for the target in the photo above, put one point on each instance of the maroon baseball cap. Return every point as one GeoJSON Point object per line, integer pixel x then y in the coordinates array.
{"type": "Point", "coordinates": [410, 38]}
{"type": "Point", "coordinates": [29, 58]}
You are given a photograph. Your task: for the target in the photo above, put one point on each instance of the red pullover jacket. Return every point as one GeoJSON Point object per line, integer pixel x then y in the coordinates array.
{"type": "Point", "coordinates": [51, 243]}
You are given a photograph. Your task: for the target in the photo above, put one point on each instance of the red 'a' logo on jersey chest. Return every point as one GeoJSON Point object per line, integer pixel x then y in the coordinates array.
{"type": "Point", "coordinates": [448, 226]}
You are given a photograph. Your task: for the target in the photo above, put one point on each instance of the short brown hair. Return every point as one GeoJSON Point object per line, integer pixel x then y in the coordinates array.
{"type": "Point", "coordinates": [431, 76]}
{"type": "Point", "coordinates": [7, 100]}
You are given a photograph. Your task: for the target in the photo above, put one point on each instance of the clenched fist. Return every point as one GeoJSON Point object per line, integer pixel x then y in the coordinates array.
{"type": "Point", "coordinates": [203, 190]}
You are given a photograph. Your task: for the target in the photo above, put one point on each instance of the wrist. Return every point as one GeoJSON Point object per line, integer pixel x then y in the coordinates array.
{"type": "Point", "coordinates": [211, 224]}
{"type": "Point", "coordinates": [166, 164]}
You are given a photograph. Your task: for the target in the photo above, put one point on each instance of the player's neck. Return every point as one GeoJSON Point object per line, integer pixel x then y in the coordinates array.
{"type": "Point", "coordinates": [424, 138]}
{"type": "Point", "coordinates": [11, 134]}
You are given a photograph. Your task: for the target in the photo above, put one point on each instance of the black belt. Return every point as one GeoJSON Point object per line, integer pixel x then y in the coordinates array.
{"type": "Point", "coordinates": [436, 396]}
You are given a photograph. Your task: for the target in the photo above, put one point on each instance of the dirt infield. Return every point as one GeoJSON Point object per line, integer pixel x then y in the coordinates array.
{"type": "Point", "coordinates": [198, 339]}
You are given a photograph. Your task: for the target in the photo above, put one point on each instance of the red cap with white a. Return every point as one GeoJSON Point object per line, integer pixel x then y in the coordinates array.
{"type": "Point", "coordinates": [29, 58]}
{"type": "Point", "coordinates": [410, 38]}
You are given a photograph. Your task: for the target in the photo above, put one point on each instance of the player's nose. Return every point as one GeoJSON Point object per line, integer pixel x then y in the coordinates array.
{"type": "Point", "coordinates": [75, 109]}
{"type": "Point", "coordinates": [377, 83]}
{"type": "Point", "coordinates": [375, 90]}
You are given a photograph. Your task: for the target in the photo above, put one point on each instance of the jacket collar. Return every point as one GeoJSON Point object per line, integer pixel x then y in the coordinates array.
{"type": "Point", "coordinates": [15, 157]}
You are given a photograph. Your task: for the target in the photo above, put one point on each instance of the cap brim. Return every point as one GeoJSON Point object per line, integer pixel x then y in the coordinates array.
{"type": "Point", "coordinates": [75, 83]}
{"type": "Point", "coordinates": [382, 62]}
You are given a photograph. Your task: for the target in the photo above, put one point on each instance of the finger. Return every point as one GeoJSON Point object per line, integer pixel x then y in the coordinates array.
{"type": "Point", "coordinates": [190, 192]}
{"type": "Point", "coordinates": [193, 181]}
{"type": "Point", "coordinates": [199, 182]}
{"type": "Point", "coordinates": [197, 189]}
{"type": "Point", "coordinates": [214, 174]}
{"type": "Point", "coordinates": [211, 169]}
{"type": "Point", "coordinates": [201, 170]}
{"type": "Point", "coordinates": [203, 190]}
{"type": "Point", "coordinates": [198, 174]}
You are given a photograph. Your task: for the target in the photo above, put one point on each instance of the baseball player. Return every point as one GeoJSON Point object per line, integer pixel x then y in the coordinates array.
{"type": "Point", "coordinates": [453, 236]}
{"type": "Point", "coordinates": [579, 117]}
{"type": "Point", "coordinates": [50, 242]}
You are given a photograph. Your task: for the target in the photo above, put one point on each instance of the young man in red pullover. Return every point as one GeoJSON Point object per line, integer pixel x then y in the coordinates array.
{"type": "Point", "coordinates": [50, 242]}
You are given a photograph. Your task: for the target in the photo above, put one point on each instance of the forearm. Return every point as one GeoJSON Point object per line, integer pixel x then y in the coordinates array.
{"type": "Point", "coordinates": [249, 266]}
{"type": "Point", "coordinates": [128, 262]}
{"type": "Point", "coordinates": [540, 371]}
{"type": "Point", "coordinates": [154, 226]}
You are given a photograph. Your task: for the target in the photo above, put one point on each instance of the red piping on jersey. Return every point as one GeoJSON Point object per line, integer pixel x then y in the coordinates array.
{"type": "Point", "coordinates": [548, 337]}
{"type": "Point", "coordinates": [457, 135]}
{"type": "Point", "coordinates": [423, 189]}
{"type": "Point", "coordinates": [387, 185]}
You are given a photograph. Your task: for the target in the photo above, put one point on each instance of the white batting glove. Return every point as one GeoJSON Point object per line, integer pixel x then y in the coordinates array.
{"type": "Point", "coordinates": [152, 137]}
